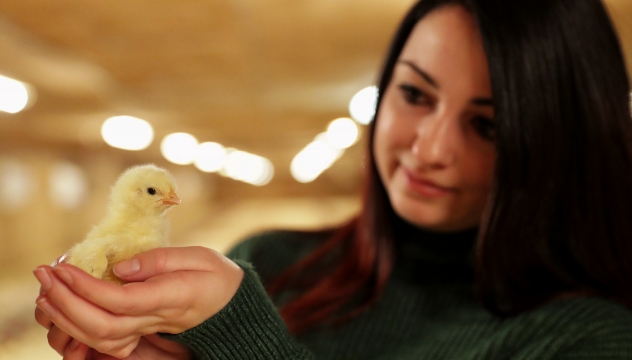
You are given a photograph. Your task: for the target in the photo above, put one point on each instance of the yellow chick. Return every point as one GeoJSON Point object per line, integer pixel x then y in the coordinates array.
{"type": "Point", "coordinates": [134, 222]}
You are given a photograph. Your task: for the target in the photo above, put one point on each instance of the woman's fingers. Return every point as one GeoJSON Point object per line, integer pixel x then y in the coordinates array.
{"type": "Point", "coordinates": [117, 347]}
{"type": "Point", "coordinates": [165, 260]}
{"type": "Point", "coordinates": [62, 323]}
{"type": "Point", "coordinates": [58, 340]}
{"type": "Point", "coordinates": [130, 299]}
{"type": "Point", "coordinates": [87, 322]}
{"type": "Point", "coordinates": [105, 310]}
{"type": "Point", "coordinates": [167, 346]}
{"type": "Point", "coordinates": [180, 288]}
{"type": "Point", "coordinates": [60, 304]}
{"type": "Point", "coordinates": [76, 351]}
{"type": "Point", "coordinates": [43, 319]}
{"type": "Point", "coordinates": [169, 272]}
{"type": "Point", "coordinates": [97, 320]}
{"type": "Point", "coordinates": [147, 297]}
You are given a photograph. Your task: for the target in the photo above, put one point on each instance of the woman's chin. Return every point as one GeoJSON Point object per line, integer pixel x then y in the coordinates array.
{"type": "Point", "coordinates": [428, 216]}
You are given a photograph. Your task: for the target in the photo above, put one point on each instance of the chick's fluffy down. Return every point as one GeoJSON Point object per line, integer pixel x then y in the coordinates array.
{"type": "Point", "coordinates": [135, 221]}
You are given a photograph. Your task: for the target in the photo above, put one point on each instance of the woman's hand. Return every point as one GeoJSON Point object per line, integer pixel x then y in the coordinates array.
{"type": "Point", "coordinates": [150, 347]}
{"type": "Point", "coordinates": [171, 290]}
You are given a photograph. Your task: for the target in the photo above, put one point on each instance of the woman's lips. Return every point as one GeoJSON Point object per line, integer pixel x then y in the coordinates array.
{"type": "Point", "coordinates": [426, 187]}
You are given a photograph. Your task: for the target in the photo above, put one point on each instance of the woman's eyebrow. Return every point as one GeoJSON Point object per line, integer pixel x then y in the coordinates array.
{"type": "Point", "coordinates": [421, 73]}
{"type": "Point", "coordinates": [433, 82]}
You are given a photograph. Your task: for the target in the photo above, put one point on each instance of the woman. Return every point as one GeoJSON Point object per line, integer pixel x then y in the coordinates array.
{"type": "Point", "coordinates": [495, 219]}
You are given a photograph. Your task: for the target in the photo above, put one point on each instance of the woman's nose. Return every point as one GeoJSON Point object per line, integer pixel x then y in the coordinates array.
{"type": "Point", "coordinates": [436, 141]}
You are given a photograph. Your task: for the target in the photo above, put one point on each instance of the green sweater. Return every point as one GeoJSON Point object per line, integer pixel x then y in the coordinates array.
{"type": "Point", "coordinates": [428, 311]}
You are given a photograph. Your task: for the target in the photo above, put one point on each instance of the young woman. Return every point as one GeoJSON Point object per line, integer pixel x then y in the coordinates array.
{"type": "Point", "coordinates": [495, 219]}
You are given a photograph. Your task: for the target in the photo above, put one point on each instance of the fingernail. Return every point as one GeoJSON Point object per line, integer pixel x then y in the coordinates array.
{"type": "Point", "coordinates": [127, 268]}
{"type": "Point", "coordinates": [63, 274]}
{"type": "Point", "coordinates": [45, 306]}
{"type": "Point", "coordinates": [42, 276]}
{"type": "Point", "coordinates": [42, 296]}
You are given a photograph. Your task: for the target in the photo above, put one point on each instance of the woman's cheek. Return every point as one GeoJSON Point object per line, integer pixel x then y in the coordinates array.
{"type": "Point", "coordinates": [383, 146]}
{"type": "Point", "coordinates": [481, 174]}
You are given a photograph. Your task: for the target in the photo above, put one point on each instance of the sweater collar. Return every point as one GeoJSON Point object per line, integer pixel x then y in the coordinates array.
{"type": "Point", "coordinates": [432, 257]}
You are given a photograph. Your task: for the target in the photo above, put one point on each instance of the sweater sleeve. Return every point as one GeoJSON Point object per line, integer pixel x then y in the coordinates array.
{"type": "Point", "coordinates": [248, 327]}
{"type": "Point", "coordinates": [610, 339]}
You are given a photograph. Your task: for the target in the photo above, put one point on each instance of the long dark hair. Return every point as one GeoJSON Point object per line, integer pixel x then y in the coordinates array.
{"type": "Point", "coordinates": [558, 217]}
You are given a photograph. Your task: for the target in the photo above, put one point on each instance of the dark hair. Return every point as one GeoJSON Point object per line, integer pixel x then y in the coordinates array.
{"type": "Point", "coordinates": [558, 217]}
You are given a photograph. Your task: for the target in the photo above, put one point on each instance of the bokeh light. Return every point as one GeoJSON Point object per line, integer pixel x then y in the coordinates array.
{"type": "Point", "coordinates": [315, 158]}
{"type": "Point", "coordinates": [210, 157]}
{"type": "Point", "coordinates": [249, 168]}
{"type": "Point", "coordinates": [68, 186]}
{"type": "Point", "coordinates": [362, 105]}
{"type": "Point", "coordinates": [342, 133]}
{"type": "Point", "coordinates": [14, 95]}
{"type": "Point", "coordinates": [179, 148]}
{"type": "Point", "coordinates": [127, 133]}
{"type": "Point", "coordinates": [17, 184]}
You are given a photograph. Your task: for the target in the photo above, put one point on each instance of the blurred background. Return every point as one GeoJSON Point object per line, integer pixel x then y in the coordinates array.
{"type": "Point", "coordinates": [258, 109]}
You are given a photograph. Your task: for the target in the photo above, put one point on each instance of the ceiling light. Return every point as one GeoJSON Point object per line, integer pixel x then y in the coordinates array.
{"type": "Point", "coordinates": [68, 185]}
{"type": "Point", "coordinates": [249, 168]}
{"type": "Point", "coordinates": [127, 133]}
{"type": "Point", "coordinates": [179, 148]}
{"type": "Point", "coordinates": [362, 105]}
{"type": "Point", "coordinates": [17, 185]}
{"type": "Point", "coordinates": [315, 158]}
{"type": "Point", "coordinates": [14, 95]}
{"type": "Point", "coordinates": [342, 133]}
{"type": "Point", "coordinates": [210, 157]}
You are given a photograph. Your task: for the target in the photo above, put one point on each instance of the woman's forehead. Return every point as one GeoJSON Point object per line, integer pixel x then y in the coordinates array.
{"type": "Point", "coordinates": [448, 30]}
{"type": "Point", "coordinates": [447, 45]}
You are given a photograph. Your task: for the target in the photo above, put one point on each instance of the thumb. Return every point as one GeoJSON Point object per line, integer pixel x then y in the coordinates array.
{"type": "Point", "coordinates": [169, 259]}
{"type": "Point", "coordinates": [127, 268]}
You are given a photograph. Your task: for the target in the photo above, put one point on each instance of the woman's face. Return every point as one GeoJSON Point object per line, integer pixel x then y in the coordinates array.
{"type": "Point", "coordinates": [434, 137]}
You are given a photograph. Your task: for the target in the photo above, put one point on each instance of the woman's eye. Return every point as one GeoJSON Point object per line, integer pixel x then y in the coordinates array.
{"type": "Point", "coordinates": [151, 191]}
{"type": "Point", "coordinates": [485, 128]}
{"type": "Point", "coordinates": [413, 95]}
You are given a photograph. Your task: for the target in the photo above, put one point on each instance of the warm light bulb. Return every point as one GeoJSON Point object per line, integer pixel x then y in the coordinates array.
{"type": "Point", "coordinates": [315, 158]}
{"type": "Point", "coordinates": [342, 133]}
{"type": "Point", "coordinates": [362, 105]}
{"type": "Point", "coordinates": [210, 157]}
{"type": "Point", "coordinates": [179, 148]}
{"type": "Point", "coordinates": [249, 168]}
{"type": "Point", "coordinates": [127, 133]}
{"type": "Point", "coordinates": [68, 185]}
{"type": "Point", "coordinates": [17, 184]}
{"type": "Point", "coordinates": [14, 96]}
{"type": "Point", "coordinates": [266, 174]}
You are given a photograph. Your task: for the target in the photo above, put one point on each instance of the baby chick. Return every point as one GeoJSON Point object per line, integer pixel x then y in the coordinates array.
{"type": "Point", "coordinates": [134, 222]}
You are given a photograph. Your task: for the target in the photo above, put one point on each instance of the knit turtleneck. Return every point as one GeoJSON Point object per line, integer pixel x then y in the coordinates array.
{"type": "Point", "coordinates": [433, 257]}
{"type": "Point", "coordinates": [427, 311]}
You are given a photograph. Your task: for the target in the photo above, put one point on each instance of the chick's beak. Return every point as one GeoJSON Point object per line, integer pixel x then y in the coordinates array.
{"type": "Point", "coordinates": [173, 199]}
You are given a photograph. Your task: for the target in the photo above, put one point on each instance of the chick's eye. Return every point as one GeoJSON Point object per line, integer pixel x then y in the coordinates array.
{"type": "Point", "coordinates": [151, 191]}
